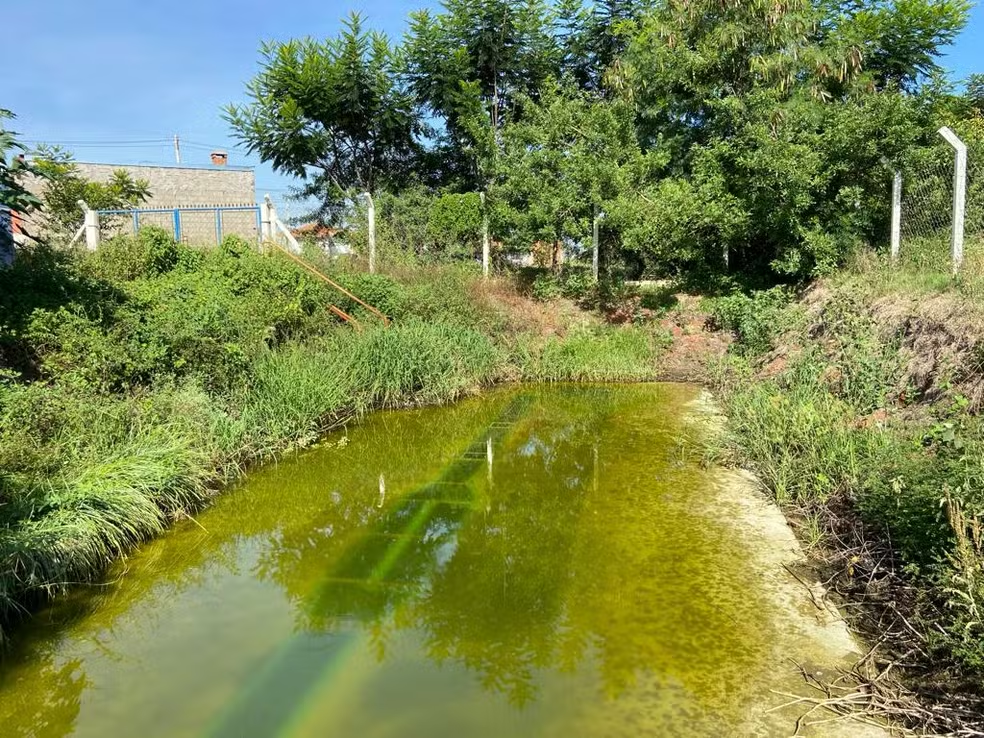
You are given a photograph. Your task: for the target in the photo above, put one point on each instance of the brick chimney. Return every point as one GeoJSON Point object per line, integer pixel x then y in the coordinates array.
{"type": "Point", "coordinates": [220, 158]}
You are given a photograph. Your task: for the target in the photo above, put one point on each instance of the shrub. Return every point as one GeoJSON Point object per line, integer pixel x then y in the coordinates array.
{"type": "Point", "coordinates": [151, 252]}
{"type": "Point", "coordinates": [755, 319]}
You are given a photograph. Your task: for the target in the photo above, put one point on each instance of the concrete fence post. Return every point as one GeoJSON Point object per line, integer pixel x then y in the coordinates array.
{"type": "Point", "coordinates": [266, 219]}
{"type": "Point", "coordinates": [371, 218]}
{"type": "Point", "coordinates": [959, 195]}
{"type": "Point", "coordinates": [485, 237]}
{"type": "Point", "coordinates": [595, 243]}
{"type": "Point", "coordinates": [91, 226]}
{"type": "Point", "coordinates": [896, 216]}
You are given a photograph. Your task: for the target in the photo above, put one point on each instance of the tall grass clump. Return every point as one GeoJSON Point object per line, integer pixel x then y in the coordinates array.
{"type": "Point", "coordinates": [417, 363]}
{"type": "Point", "coordinates": [603, 354]}
{"type": "Point", "coordinates": [115, 473]}
{"type": "Point", "coordinates": [294, 396]}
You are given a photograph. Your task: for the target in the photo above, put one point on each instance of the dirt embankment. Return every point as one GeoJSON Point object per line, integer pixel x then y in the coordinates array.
{"type": "Point", "coordinates": [915, 359]}
{"type": "Point", "coordinates": [696, 345]}
{"type": "Point", "coordinates": [939, 340]}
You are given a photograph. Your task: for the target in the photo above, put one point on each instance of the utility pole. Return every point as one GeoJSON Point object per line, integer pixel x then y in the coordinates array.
{"type": "Point", "coordinates": [177, 149]}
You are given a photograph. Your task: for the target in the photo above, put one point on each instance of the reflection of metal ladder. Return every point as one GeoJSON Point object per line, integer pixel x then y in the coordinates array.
{"type": "Point", "coordinates": [386, 563]}
{"type": "Point", "coordinates": [394, 554]}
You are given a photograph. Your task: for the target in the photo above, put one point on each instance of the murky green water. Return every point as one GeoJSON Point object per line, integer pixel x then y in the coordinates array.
{"type": "Point", "coordinates": [536, 562]}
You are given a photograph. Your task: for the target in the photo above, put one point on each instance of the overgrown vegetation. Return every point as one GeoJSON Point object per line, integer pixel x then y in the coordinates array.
{"type": "Point", "coordinates": [138, 379]}
{"type": "Point", "coordinates": [719, 143]}
{"type": "Point", "coordinates": [714, 137]}
{"type": "Point", "coordinates": [868, 435]}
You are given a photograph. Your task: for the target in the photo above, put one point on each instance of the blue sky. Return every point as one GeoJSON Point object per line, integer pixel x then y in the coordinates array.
{"type": "Point", "coordinates": [127, 71]}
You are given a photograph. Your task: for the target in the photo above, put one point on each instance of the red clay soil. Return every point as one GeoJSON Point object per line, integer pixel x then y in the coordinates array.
{"type": "Point", "coordinates": [695, 345]}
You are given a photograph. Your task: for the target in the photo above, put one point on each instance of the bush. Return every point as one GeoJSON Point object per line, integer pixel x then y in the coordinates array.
{"type": "Point", "coordinates": [151, 252]}
{"type": "Point", "coordinates": [574, 281]}
{"type": "Point", "coordinates": [755, 319]}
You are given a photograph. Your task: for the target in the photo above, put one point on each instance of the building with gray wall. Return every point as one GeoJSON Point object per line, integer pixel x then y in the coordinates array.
{"type": "Point", "coordinates": [175, 186]}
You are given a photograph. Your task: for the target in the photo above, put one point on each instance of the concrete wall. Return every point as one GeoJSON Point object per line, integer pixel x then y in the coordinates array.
{"type": "Point", "coordinates": [171, 186]}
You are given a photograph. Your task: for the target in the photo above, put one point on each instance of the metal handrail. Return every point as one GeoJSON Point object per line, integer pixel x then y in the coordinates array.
{"type": "Point", "coordinates": [333, 283]}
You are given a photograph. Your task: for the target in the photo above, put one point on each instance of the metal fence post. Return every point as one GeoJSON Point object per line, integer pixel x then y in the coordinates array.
{"type": "Point", "coordinates": [177, 225]}
{"type": "Point", "coordinates": [896, 215]}
{"type": "Point", "coordinates": [959, 195]}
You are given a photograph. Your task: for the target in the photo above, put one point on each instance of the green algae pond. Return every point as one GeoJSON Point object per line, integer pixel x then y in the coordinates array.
{"type": "Point", "coordinates": [537, 561]}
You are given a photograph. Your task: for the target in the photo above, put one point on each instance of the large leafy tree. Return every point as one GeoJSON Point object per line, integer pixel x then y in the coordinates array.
{"type": "Point", "coordinates": [567, 159]}
{"type": "Point", "coordinates": [472, 63]}
{"type": "Point", "coordinates": [775, 127]}
{"type": "Point", "coordinates": [699, 66]}
{"type": "Point", "coordinates": [899, 40]}
{"type": "Point", "coordinates": [333, 113]}
{"type": "Point", "coordinates": [594, 38]}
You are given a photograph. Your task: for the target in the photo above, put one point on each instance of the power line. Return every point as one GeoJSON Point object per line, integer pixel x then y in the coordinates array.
{"type": "Point", "coordinates": [132, 142]}
{"type": "Point", "coordinates": [211, 147]}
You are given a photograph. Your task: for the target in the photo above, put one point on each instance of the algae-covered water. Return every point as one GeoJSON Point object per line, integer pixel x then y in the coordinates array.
{"type": "Point", "coordinates": [534, 562]}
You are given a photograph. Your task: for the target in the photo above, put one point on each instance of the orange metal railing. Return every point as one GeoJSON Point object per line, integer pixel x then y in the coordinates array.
{"type": "Point", "coordinates": [334, 309]}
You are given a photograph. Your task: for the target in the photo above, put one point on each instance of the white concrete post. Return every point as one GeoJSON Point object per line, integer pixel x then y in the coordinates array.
{"type": "Point", "coordinates": [595, 243]}
{"type": "Point", "coordinates": [485, 237]}
{"type": "Point", "coordinates": [896, 215]}
{"type": "Point", "coordinates": [371, 216]}
{"type": "Point", "coordinates": [266, 219]}
{"type": "Point", "coordinates": [91, 226]}
{"type": "Point", "coordinates": [959, 195]}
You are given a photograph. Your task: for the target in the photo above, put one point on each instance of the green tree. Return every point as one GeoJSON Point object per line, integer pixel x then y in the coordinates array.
{"type": "Point", "coordinates": [593, 39]}
{"type": "Point", "coordinates": [899, 40]}
{"type": "Point", "coordinates": [65, 186]}
{"type": "Point", "coordinates": [14, 167]}
{"type": "Point", "coordinates": [775, 130]}
{"type": "Point", "coordinates": [567, 158]}
{"type": "Point", "coordinates": [471, 64]}
{"type": "Point", "coordinates": [975, 92]}
{"type": "Point", "coordinates": [333, 113]}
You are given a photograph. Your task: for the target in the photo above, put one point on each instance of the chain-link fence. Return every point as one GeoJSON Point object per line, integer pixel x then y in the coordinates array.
{"type": "Point", "coordinates": [195, 226]}
{"type": "Point", "coordinates": [926, 204]}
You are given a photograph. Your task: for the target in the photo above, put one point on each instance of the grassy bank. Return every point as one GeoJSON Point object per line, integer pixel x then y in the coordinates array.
{"type": "Point", "coordinates": [857, 404]}
{"type": "Point", "coordinates": [135, 382]}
